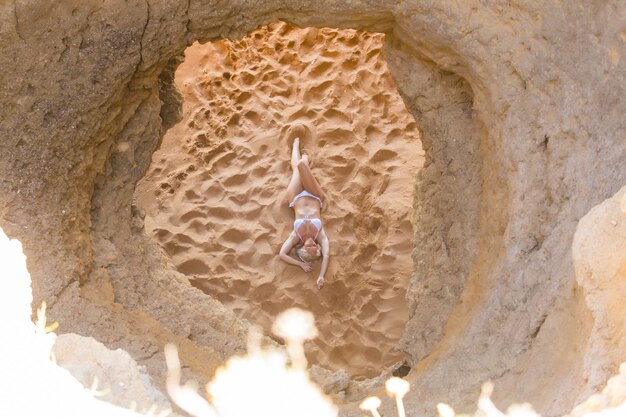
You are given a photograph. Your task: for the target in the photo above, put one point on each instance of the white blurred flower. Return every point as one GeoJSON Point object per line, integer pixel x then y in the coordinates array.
{"type": "Point", "coordinates": [521, 410]}
{"type": "Point", "coordinates": [485, 404]}
{"type": "Point", "coordinates": [262, 385]}
{"type": "Point", "coordinates": [185, 396]}
{"type": "Point", "coordinates": [46, 336]}
{"type": "Point", "coordinates": [489, 409]}
{"type": "Point", "coordinates": [371, 404]}
{"type": "Point", "coordinates": [295, 325]}
{"type": "Point", "coordinates": [397, 387]}
{"type": "Point", "coordinates": [445, 410]}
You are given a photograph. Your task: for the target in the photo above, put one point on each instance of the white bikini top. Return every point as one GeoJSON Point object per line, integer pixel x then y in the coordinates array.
{"type": "Point", "coordinates": [316, 222]}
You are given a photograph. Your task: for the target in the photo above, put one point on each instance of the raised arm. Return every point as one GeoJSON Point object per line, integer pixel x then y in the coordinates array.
{"type": "Point", "coordinates": [284, 250]}
{"type": "Point", "coordinates": [323, 238]}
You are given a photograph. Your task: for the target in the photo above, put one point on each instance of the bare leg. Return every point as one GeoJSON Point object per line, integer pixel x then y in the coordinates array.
{"type": "Point", "coordinates": [295, 185]}
{"type": "Point", "coordinates": [308, 180]}
{"type": "Point", "coordinates": [295, 152]}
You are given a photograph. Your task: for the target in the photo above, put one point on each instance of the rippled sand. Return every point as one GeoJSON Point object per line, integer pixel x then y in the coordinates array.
{"type": "Point", "coordinates": [215, 192]}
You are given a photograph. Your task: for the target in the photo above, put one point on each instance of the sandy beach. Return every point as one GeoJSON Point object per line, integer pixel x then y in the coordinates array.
{"type": "Point", "coordinates": [215, 193]}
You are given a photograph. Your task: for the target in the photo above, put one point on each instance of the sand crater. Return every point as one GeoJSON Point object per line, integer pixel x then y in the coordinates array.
{"type": "Point", "coordinates": [215, 191]}
{"type": "Point", "coordinates": [521, 115]}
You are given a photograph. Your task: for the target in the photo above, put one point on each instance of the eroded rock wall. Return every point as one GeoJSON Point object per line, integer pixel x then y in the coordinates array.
{"type": "Point", "coordinates": [447, 193]}
{"type": "Point", "coordinates": [599, 254]}
{"type": "Point", "coordinates": [79, 118]}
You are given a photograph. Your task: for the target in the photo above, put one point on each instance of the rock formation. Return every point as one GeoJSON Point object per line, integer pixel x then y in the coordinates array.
{"type": "Point", "coordinates": [599, 252]}
{"type": "Point", "coordinates": [113, 372]}
{"type": "Point", "coordinates": [521, 113]}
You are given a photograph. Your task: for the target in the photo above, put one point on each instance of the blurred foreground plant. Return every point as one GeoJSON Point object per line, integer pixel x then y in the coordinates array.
{"type": "Point", "coordinates": [265, 382]}
{"type": "Point", "coordinates": [610, 403]}
{"type": "Point", "coordinates": [30, 383]}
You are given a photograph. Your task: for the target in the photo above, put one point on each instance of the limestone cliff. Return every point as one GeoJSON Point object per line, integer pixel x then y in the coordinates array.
{"type": "Point", "coordinates": [521, 109]}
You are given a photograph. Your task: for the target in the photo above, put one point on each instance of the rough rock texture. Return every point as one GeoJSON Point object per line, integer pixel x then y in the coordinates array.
{"type": "Point", "coordinates": [329, 382]}
{"type": "Point", "coordinates": [599, 252]}
{"type": "Point", "coordinates": [446, 190]}
{"type": "Point", "coordinates": [612, 397]}
{"type": "Point", "coordinates": [114, 373]}
{"type": "Point", "coordinates": [80, 115]}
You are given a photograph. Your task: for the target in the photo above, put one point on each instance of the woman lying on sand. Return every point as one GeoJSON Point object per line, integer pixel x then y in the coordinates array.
{"type": "Point", "coordinates": [306, 197]}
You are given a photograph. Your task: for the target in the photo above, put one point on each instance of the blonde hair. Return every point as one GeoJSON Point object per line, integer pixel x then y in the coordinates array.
{"type": "Point", "coordinates": [306, 256]}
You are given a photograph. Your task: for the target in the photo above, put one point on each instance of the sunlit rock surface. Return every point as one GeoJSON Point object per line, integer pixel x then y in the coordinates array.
{"type": "Point", "coordinates": [599, 252]}
{"type": "Point", "coordinates": [112, 373]}
{"type": "Point", "coordinates": [523, 131]}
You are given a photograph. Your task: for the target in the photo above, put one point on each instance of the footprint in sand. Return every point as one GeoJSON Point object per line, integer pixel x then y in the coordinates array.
{"type": "Point", "coordinates": [318, 92]}
{"type": "Point", "coordinates": [320, 69]}
{"type": "Point", "coordinates": [383, 155]}
{"type": "Point", "coordinates": [191, 215]}
{"type": "Point", "coordinates": [194, 267]}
